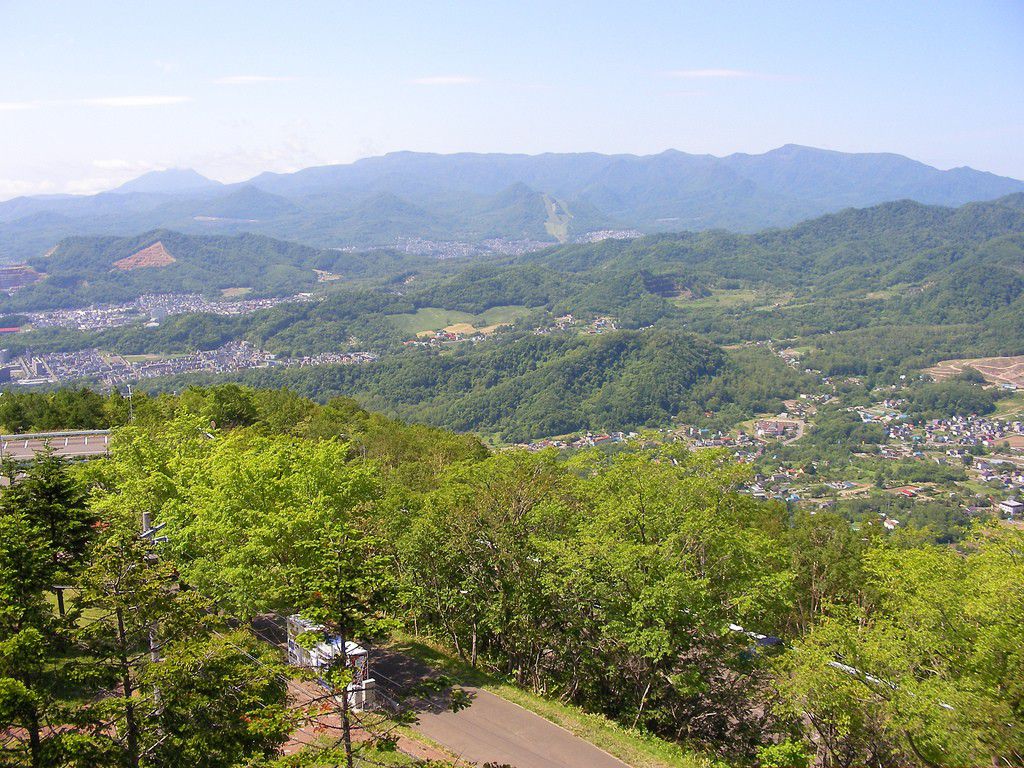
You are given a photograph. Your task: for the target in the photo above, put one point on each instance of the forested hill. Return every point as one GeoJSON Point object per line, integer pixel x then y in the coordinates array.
{"type": "Point", "coordinates": [477, 196]}
{"type": "Point", "coordinates": [85, 270]}
{"type": "Point", "coordinates": [524, 387]}
{"type": "Point", "coordinates": [886, 290]}
{"type": "Point", "coordinates": [885, 243]}
{"type": "Point", "coordinates": [870, 249]}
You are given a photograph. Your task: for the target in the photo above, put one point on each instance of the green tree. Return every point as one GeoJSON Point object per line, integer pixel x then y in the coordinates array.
{"type": "Point", "coordinates": [221, 701]}
{"type": "Point", "coordinates": [927, 670]}
{"type": "Point", "coordinates": [44, 530]}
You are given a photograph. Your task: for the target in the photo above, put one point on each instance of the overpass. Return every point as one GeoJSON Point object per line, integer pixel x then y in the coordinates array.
{"type": "Point", "coordinates": [76, 444]}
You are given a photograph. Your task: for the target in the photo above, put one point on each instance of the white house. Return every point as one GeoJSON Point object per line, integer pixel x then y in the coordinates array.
{"type": "Point", "coordinates": [1011, 507]}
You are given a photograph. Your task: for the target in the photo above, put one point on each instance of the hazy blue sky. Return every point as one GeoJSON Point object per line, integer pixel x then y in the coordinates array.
{"type": "Point", "coordinates": [93, 93]}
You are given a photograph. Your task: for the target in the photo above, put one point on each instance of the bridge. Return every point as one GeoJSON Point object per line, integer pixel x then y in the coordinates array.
{"type": "Point", "coordinates": [76, 444]}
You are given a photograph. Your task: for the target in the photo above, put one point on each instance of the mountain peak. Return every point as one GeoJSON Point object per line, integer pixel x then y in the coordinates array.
{"type": "Point", "coordinates": [169, 181]}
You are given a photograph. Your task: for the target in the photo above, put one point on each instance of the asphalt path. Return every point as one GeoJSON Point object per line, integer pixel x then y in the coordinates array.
{"type": "Point", "coordinates": [491, 729]}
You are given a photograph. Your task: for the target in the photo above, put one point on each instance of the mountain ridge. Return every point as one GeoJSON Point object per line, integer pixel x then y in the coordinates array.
{"type": "Point", "coordinates": [470, 197]}
{"type": "Point", "coordinates": [168, 181]}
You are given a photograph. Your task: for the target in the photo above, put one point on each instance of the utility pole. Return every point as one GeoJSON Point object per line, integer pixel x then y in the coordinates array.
{"type": "Point", "coordinates": [149, 531]}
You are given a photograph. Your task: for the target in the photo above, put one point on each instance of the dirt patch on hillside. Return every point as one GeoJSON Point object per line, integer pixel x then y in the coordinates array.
{"type": "Point", "coordinates": [153, 256]}
{"type": "Point", "coordinates": [14, 276]}
{"type": "Point", "coordinates": [997, 370]}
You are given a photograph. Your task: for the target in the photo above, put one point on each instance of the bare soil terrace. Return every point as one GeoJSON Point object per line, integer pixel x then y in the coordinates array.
{"type": "Point", "coordinates": [997, 370]}
{"type": "Point", "coordinates": [155, 255]}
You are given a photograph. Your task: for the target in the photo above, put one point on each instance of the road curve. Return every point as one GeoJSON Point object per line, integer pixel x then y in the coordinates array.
{"type": "Point", "coordinates": [494, 730]}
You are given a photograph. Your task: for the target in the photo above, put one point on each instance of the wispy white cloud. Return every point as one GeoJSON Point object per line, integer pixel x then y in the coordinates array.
{"type": "Point", "coordinates": [251, 79]}
{"type": "Point", "coordinates": [17, 187]}
{"type": "Point", "coordinates": [721, 74]}
{"type": "Point", "coordinates": [90, 185]}
{"type": "Point", "coordinates": [103, 101]}
{"type": "Point", "coordinates": [132, 101]}
{"type": "Point", "coordinates": [134, 166]}
{"type": "Point", "coordinates": [17, 106]}
{"type": "Point", "coordinates": [445, 80]}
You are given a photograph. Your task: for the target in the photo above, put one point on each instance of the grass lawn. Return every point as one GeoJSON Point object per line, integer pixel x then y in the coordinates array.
{"type": "Point", "coordinates": [720, 297]}
{"type": "Point", "coordinates": [1012, 405]}
{"type": "Point", "coordinates": [89, 615]}
{"type": "Point", "coordinates": [895, 290]}
{"type": "Point", "coordinates": [634, 747]}
{"type": "Point", "coordinates": [726, 298]}
{"type": "Point", "coordinates": [435, 318]}
{"type": "Point", "coordinates": [324, 756]}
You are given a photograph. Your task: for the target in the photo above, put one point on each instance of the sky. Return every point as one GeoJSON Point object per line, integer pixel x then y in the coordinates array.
{"type": "Point", "coordinates": [95, 93]}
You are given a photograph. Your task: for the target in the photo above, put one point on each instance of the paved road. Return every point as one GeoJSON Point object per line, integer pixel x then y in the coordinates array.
{"type": "Point", "coordinates": [70, 444]}
{"type": "Point", "coordinates": [492, 729]}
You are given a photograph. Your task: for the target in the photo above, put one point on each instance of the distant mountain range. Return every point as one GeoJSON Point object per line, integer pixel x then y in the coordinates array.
{"type": "Point", "coordinates": [473, 197]}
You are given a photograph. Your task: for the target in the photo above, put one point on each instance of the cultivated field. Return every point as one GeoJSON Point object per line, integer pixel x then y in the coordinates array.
{"type": "Point", "coordinates": [997, 370]}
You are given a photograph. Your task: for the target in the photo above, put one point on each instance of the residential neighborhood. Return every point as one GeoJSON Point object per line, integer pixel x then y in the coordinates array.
{"type": "Point", "coordinates": [110, 369]}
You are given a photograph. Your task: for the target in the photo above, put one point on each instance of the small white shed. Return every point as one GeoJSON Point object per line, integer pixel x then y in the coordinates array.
{"type": "Point", "coordinates": [362, 689]}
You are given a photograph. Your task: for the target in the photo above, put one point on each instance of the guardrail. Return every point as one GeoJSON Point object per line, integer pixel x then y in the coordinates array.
{"type": "Point", "coordinates": [48, 435]}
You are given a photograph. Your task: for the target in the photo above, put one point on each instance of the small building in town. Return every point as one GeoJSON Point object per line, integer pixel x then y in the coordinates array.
{"type": "Point", "coordinates": [1011, 507]}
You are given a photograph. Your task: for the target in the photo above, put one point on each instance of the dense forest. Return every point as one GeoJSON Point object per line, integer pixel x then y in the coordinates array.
{"type": "Point", "coordinates": [640, 585]}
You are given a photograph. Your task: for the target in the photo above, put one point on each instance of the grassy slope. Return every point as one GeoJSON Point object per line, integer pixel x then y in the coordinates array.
{"type": "Point", "coordinates": [434, 319]}
{"type": "Point", "coordinates": [636, 748]}
{"type": "Point", "coordinates": [557, 224]}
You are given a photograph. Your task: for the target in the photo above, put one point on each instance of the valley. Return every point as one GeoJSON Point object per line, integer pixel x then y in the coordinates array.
{"type": "Point", "coordinates": [511, 385]}
{"type": "Point", "coordinates": [690, 338]}
{"type": "Point", "coordinates": [529, 455]}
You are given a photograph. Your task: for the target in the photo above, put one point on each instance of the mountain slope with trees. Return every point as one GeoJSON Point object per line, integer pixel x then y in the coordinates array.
{"type": "Point", "coordinates": [641, 586]}
{"type": "Point", "coordinates": [470, 197]}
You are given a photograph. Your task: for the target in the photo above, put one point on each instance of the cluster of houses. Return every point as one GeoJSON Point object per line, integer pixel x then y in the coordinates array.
{"type": "Point", "coordinates": [586, 440]}
{"type": "Point", "coordinates": [775, 486]}
{"type": "Point", "coordinates": [955, 440]}
{"type": "Point", "coordinates": [1000, 472]}
{"type": "Point", "coordinates": [972, 430]}
{"type": "Point", "coordinates": [776, 429]}
{"type": "Point", "coordinates": [151, 308]}
{"type": "Point", "coordinates": [444, 337]}
{"type": "Point", "coordinates": [111, 370]}
{"type": "Point", "coordinates": [563, 323]}
{"type": "Point", "coordinates": [603, 324]}
{"type": "Point", "coordinates": [887, 411]}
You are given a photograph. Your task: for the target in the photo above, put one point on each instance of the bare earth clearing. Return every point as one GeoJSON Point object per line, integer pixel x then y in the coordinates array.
{"type": "Point", "coordinates": [153, 256]}
{"type": "Point", "coordinates": [997, 370]}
